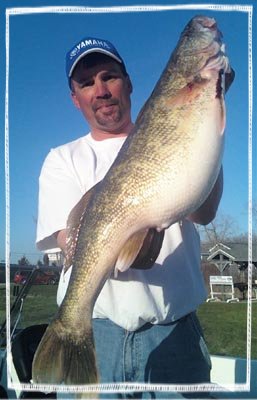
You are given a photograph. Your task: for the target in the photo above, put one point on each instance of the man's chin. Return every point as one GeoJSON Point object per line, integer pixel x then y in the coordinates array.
{"type": "Point", "coordinates": [109, 122]}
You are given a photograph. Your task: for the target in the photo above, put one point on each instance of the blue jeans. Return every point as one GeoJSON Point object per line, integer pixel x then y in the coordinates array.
{"type": "Point", "coordinates": [174, 354]}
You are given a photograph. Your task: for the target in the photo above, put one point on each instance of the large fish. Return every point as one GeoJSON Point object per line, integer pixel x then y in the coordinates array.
{"type": "Point", "coordinates": [165, 170]}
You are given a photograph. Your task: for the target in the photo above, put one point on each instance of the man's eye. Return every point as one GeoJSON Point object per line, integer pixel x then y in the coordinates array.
{"type": "Point", "coordinates": [109, 77]}
{"type": "Point", "coordinates": [87, 83]}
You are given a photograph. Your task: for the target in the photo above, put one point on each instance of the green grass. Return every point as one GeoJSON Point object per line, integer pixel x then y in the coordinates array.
{"type": "Point", "coordinates": [39, 305]}
{"type": "Point", "coordinates": [225, 328]}
{"type": "Point", "coordinates": [224, 324]}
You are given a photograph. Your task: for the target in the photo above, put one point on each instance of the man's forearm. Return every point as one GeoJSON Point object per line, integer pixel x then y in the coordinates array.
{"type": "Point", "coordinates": [61, 239]}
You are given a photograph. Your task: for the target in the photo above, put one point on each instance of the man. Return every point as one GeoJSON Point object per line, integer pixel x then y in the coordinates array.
{"type": "Point", "coordinates": [144, 321]}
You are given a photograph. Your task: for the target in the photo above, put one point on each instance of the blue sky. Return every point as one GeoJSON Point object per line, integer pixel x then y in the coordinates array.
{"type": "Point", "coordinates": [42, 116]}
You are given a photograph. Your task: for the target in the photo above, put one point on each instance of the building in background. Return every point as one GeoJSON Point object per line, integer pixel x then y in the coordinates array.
{"type": "Point", "coordinates": [230, 259]}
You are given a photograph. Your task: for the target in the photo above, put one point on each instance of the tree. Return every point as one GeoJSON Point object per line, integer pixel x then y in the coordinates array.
{"type": "Point", "coordinates": [23, 261]}
{"type": "Point", "coordinates": [221, 229]}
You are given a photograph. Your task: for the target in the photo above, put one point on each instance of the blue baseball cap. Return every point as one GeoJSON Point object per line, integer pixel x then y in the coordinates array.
{"type": "Point", "coordinates": [86, 46]}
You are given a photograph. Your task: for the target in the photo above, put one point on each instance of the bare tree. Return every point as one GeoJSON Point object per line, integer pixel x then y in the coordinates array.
{"type": "Point", "coordinates": [221, 229]}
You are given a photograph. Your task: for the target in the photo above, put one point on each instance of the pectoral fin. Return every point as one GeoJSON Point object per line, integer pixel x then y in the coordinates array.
{"type": "Point", "coordinates": [140, 251]}
{"type": "Point", "coordinates": [150, 250]}
{"type": "Point", "coordinates": [130, 251]}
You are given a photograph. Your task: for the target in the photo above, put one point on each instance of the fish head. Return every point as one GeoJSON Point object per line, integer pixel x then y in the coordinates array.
{"type": "Point", "coordinates": [200, 48]}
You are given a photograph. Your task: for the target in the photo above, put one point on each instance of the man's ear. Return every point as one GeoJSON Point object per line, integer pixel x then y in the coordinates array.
{"type": "Point", "coordinates": [75, 100]}
{"type": "Point", "coordinates": [130, 86]}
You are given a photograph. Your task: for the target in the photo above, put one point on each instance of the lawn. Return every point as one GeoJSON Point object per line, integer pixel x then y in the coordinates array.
{"type": "Point", "coordinates": [224, 324]}
{"type": "Point", "coordinates": [39, 305]}
{"type": "Point", "coordinates": [225, 328]}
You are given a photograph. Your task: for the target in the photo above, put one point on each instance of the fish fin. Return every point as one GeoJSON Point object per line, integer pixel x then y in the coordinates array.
{"type": "Point", "coordinates": [229, 78]}
{"type": "Point", "coordinates": [73, 226]}
{"type": "Point", "coordinates": [129, 251]}
{"type": "Point", "coordinates": [140, 251]}
{"type": "Point", "coordinates": [62, 358]}
{"type": "Point", "coordinates": [150, 249]}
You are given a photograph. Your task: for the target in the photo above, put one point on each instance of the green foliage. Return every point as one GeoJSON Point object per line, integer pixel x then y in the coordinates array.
{"type": "Point", "coordinates": [23, 261]}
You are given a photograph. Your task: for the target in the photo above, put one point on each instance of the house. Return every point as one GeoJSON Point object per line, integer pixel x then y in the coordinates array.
{"type": "Point", "coordinates": [230, 258]}
{"type": "Point", "coordinates": [55, 257]}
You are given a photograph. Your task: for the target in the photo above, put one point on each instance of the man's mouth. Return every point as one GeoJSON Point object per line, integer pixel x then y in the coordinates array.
{"type": "Point", "coordinates": [105, 106]}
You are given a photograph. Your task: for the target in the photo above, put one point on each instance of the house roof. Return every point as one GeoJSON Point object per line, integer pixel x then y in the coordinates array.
{"type": "Point", "coordinates": [226, 254]}
{"type": "Point", "coordinates": [238, 252]}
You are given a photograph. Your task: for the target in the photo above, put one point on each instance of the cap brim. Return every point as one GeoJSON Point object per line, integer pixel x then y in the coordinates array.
{"type": "Point", "coordinates": [94, 50]}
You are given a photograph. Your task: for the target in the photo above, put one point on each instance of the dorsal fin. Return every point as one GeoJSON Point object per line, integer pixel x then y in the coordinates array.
{"type": "Point", "coordinates": [73, 226]}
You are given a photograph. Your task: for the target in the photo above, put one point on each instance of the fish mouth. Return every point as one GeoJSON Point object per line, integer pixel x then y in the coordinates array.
{"type": "Point", "coordinates": [209, 24]}
{"type": "Point", "coordinates": [202, 36]}
{"type": "Point", "coordinates": [215, 49]}
{"type": "Point", "coordinates": [201, 45]}
{"type": "Point", "coordinates": [219, 61]}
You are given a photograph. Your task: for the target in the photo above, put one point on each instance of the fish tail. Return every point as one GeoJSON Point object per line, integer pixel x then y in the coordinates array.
{"type": "Point", "coordinates": [64, 358]}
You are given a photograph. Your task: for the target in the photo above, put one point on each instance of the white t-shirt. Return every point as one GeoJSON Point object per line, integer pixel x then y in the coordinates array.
{"type": "Point", "coordinates": [172, 288]}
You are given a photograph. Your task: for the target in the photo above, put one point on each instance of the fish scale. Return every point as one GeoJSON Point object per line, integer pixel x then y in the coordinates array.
{"type": "Point", "coordinates": [164, 171]}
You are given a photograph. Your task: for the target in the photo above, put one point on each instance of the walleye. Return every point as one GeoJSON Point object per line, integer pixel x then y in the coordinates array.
{"type": "Point", "coordinates": [164, 172]}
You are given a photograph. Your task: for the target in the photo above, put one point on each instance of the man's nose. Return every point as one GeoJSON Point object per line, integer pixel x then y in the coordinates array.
{"type": "Point", "coordinates": [101, 90]}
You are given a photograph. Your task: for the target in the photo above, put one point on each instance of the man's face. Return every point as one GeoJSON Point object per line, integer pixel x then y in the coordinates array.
{"type": "Point", "coordinates": [102, 93]}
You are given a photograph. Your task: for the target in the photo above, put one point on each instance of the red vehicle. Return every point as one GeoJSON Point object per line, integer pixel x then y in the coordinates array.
{"type": "Point", "coordinates": [41, 278]}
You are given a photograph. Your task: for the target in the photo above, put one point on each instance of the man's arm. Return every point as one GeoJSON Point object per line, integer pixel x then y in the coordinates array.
{"type": "Point", "coordinates": [61, 239]}
{"type": "Point", "coordinates": [56, 182]}
{"type": "Point", "coordinates": [207, 212]}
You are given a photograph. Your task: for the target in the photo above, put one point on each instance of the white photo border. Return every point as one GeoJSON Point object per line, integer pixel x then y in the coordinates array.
{"type": "Point", "coordinates": [127, 387]}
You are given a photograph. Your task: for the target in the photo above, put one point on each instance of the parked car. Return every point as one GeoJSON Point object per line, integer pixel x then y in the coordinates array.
{"type": "Point", "coordinates": [43, 277]}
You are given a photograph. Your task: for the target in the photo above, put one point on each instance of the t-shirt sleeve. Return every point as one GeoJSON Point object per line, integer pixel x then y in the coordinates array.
{"type": "Point", "coordinates": [58, 193]}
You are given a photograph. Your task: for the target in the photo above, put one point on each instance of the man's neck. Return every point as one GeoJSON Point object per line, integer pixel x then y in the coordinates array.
{"type": "Point", "coordinates": [98, 134]}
